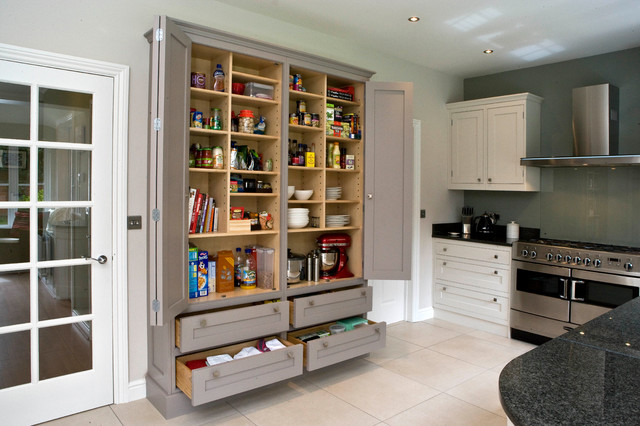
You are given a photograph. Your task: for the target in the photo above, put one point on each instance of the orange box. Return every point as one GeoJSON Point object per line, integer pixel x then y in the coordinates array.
{"type": "Point", "coordinates": [224, 271]}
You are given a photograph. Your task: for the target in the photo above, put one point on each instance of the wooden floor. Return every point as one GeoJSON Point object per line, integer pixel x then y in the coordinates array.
{"type": "Point", "coordinates": [63, 349]}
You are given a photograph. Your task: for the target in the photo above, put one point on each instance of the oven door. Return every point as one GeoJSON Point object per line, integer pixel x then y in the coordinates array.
{"type": "Point", "coordinates": [541, 290]}
{"type": "Point", "coordinates": [593, 294]}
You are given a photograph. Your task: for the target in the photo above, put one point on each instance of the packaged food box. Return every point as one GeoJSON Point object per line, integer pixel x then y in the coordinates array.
{"type": "Point", "coordinates": [224, 271]}
{"type": "Point", "coordinates": [351, 323]}
{"type": "Point", "coordinates": [350, 162]}
{"type": "Point", "coordinates": [258, 90]}
{"type": "Point", "coordinates": [193, 272]}
{"type": "Point", "coordinates": [212, 274]}
{"type": "Point", "coordinates": [203, 273]}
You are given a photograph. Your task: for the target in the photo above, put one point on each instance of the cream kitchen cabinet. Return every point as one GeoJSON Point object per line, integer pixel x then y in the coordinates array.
{"type": "Point", "coordinates": [488, 137]}
{"type": "Point", "coordinates": [471, 284]}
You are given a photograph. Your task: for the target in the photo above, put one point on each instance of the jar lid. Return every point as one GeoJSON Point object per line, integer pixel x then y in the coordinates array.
{"type": "Point", "coordinates": [217, 147]}
{"type": "Point", "coordinates": [206, 149]}
{"type": "Point", "coordinates": [245, 113]}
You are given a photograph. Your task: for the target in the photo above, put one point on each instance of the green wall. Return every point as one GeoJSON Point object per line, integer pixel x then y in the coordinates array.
{"type": "Point", "coordinates": [586, 204]}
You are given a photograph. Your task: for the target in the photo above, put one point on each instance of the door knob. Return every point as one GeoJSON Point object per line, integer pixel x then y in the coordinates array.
{"type": "Point", "coordinates": [369, 196]}
{"type": "Point", "coordinates": [102, 259]}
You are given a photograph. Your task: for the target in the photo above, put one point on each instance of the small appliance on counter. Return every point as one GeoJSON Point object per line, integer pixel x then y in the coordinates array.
{"type": "Point", "coordinates": [295, 267]}
{"type": "Point", "coordinates": [485, 224]}
{"type": "Point", "coordinates": [333, 256]}
{"type": "Point", "coordinates": [467, 219]}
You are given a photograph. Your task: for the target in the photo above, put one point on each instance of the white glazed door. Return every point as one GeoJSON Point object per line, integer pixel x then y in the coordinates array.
{"type": "Point", "coordinates": [55, 215]}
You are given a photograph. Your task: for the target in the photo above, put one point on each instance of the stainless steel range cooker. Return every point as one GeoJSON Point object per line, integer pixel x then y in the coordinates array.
{"type": "Point", "coordinates": [559, 285]}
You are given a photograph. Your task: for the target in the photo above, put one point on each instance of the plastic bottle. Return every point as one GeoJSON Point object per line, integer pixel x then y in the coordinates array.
{"type": "Point", "coordinates": [239, 264]}
{"type": "Point", "coordinates": [336, 155]}
{"type": "Point", "coordinates": [218, 79]}
{"type": "Point", "coordinates": [249, 271]}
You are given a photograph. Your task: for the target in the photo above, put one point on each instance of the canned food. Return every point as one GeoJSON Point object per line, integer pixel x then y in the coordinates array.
{"type": "Point", "coordinates": [302, 106]}
{"type": "Point", "coordinates": [293, 119]}
{"type": "Point", "coordinates": [315, 120]}
{"type": "Point", "coordinates": [218, 157]}
{"type": "Point", "coordinates": [198, 80]}
{"type": "Point", "coordinates": [307, 119]}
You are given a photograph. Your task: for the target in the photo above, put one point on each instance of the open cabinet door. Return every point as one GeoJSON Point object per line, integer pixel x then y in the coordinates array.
{"type": "Point", "coordinates": [168, 184]}
{"type": "Point", "coordinates": [388, 183]}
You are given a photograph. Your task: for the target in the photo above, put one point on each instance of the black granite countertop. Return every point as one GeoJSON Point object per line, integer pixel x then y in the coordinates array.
{"type": "Point", "coordinates": [499, 237]}
{"type": "Point", "coordinates": [589, 376]}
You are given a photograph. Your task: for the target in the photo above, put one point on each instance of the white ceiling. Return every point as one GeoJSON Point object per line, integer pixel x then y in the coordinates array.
{"type": "Point", "coordinates": [452, 34]}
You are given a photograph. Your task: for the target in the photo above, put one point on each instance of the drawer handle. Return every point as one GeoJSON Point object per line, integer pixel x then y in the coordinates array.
{"type": "Point", "coordinates": [495, 272]}
{"type": "Point", "coordinates": [325, 344]}
{"type": "Point", "coordinates": [216, 374]}
{"type": "Point", "coordinates": [276, 309]}
{"type": "Point", "coordinates": [203, 323]}
{"type": "Point", "coordinates": [444, 263]}
{"type": "Point", "coordinates": [444, 289]}
{"type": "Point", "coordinates": [311, 303]}
{"type": "Point", "coordinates": [444, 249]}
{"type": "Point", "coordinates": [377, 330]}
{"type": "Point", "coordinates": [495, 299]}
{"type": "Point", "coordinates": [290, 355]}
{"type": "Point", "coordinates": [495, 256]}
{"type": "Point", "coordinates": [363, 293]}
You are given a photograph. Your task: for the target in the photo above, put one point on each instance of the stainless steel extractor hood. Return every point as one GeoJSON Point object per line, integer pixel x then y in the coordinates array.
{"type": "Point", "coordinates": [595, 132]}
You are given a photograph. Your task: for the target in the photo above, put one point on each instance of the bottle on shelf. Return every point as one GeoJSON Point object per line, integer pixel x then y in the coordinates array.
{"type": "Point", "coordinates": [249, 271]}
{"type": "Point", "coordinates": [343, 158]}
{"type": "Point", "coordinates": [301, 154]}
{"type": "Point", "coordinates": [310, 156]}
{"type": "Point", "coordinates": [233, 162]}
{"type": "Point", "coordinates": [218, 79]}
{"type": "Point", "coordinates": [239, 264]}
{"type": "Point", "coordinates": [336, 155]}
{"type": "Point", "coordinates": [295, 158]}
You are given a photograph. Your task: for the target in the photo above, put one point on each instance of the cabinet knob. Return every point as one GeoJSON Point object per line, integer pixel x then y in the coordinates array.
{"type": "Point", "coordinates": [325, 344]}
{"type": "Point", "coordinates": [276, 309]}
{"type": "Point", "coordinates": [489, 179]}
{"type": "Point", "coordinates": [444, 249]}
{"type": "Point", "coordinates": [203, 323]}
{"type": "Point", "coordinates": [311, 303]}
{"type": "Point", "coordinates": [479, 180]}
{"type": "Point", "coordinates": [444, 263]}
{"type": "Point", "coordinates": [495, 272]}
{"type": "Point", "coordinates": [363, 293]}
{"type": "Point", "coordinates": [495, 299]}
{"type": "Point", "coordinates": [495, 256]}
{"type": "Point", "coordinates": [216, 374]}
{"type": "Point", "coordinates": [444, 289]}
{"type": "Point", "coordinates": [290, 355]}
{"type": "Point", "coordinates": [369, 196]}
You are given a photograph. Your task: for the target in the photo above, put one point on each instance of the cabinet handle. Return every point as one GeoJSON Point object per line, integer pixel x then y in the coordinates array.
{"type": "Point", "coordinates": [444, 289]}
{"type": "Point", "coordinates": [363, 293]}
{"type": "Point", "coordinates": [444, 263]}
{"type": "Point", "coordinates": [479, 180]}
{"type": "Point", "coordinates": [489, 179]}
{"type": "Point", "coordinates": [495, 299]}
{"type": "Point", "coordinates": [216, 374]}
{"type": "Point", "coordinates": [311, 303]}
{"type": "Point", "coordinates": [203, 323]}
{"type": "Point", "coordinates": [290, 355]}
{"type": "Point", "coordinates": [276, 309]}
{"type": "Point", "coordinates": [325, 344]}
{"type": "Point", "coordinates": [495, 272]}
{"type": "Point", "coordinates": [369, 196]}
{"type": "Point", "coordinates": [377, 330]}
{"type": "Point", "coordinates": [495, 256]}
{"type": "Point", "coordinates": [444, 249]}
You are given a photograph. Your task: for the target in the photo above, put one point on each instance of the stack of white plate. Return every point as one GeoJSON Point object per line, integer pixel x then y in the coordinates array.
{"type": "Point", "coordinates": [337, 220]}
{"type": "Point", "coordinates": [297, 217]}
{"type": "Point", "coordinates": [334, 192]}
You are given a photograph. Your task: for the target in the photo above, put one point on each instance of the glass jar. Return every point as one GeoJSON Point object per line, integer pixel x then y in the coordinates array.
{"type": "Point", "coordinates": [218, 158]}
{"type": "Point", "coordinates": [216, 119]}
{"type": "Point", "coordinates": [207, 158]}
{"type": "Point", "coordinates": [245, 121]}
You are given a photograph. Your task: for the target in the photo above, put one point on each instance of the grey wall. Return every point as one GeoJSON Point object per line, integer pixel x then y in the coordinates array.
{"type": "Point", "coordinates": [594, 204]}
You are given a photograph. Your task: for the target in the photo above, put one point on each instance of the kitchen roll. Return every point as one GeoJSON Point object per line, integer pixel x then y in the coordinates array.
{"type": "Point", "coordinates": [513, 230]}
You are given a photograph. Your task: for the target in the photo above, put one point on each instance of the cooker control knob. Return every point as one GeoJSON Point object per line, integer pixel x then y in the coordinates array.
{"type": "Point", "coordinates": [628, 266]}
{"type": "Point", "coordinates": [549, 257]}
{"type": "Point", "coordinates": [558, 257]}
{"type": "Point", "coordinates": [577, 260]}
{"type": "Point", "coordinates": [567, 259]}
{"type": "Point", "coordinates": [533, 254]}
{"type": "Point", "coordinates": [597, 263]}
{"type": "Point", "coordinates": [587, 261]}
{"type": "Point", "coordinates": [525, 253]}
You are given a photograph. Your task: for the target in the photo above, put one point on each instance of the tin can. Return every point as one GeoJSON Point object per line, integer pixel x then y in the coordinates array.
{"type": "Point", "coordinates": [218, 157]}
{"type": "Point", "coordinates": [302, 106]}
{"type": "Point", "coordinates": [198, 80]}
{"type": "Point", "coordinates": [307, 119]}
{"type": "Point", "coordinates": [315, 120]}
{"type": "Point", "coordinates": [293, 118]}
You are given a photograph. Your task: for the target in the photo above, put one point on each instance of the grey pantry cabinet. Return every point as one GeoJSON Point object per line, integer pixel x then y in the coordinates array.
{"type": "Point", "coordinates": [386, 205]}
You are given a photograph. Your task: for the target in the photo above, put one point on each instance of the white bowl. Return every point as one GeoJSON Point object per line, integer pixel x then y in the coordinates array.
{"type": "Point", "coordinates": [298, 225]}
{"type": "Point", "coordinates": [303, 194]}
{"type": "Point", "coordinates": [291, 190]}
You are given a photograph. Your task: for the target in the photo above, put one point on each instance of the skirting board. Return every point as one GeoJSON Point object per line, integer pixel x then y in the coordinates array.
{"type": "Point", "coordinates": [478, 324]}
{"type": "Point", "coordinates": [137, 390]}
{"type": "Point", "coordinates": [423, 314]}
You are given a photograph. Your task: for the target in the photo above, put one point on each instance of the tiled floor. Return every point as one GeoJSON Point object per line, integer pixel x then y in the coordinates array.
{"type": "Point", "coordinates": [430, 373]}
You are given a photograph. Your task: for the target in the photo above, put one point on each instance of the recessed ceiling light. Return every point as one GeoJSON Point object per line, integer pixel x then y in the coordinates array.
{"type": "Point", "coordinates": [488, 51]}
{"type": "Point", "coordinates": [414, 19]}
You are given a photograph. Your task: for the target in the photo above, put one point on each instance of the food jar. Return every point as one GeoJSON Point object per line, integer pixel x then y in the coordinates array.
{"type": "Point", "coordinates": [206, 158]}
{"type": "Point", "coordinates": [245, 123]}
{"type": "Point", "coordinates": [218, 158]}
{"type": "Point", "coordinates": [216, 119]}
{"type": "Point", "coordinates": [293, 118]}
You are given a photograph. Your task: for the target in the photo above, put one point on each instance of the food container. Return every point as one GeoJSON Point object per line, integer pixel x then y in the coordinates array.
{"type": "Point", "coordinates": [258, 90]}
{"type": "Point", "coordinates": [206, 158]}
{"type": "Point", "coordinates": [295, 267]}
{"type": "Point", "coordinates": [245, 121]}
{"type": "Point", "coordinates": [218, 157]}
{"type": "Point", "coordinates": [198, 80]}
{"type": "Point", "coordinates": [237, 88]}
{"type": "Point", "coordinates": [265, 257]}
{"type": "Point", "coordinates": [337, 328]}
{"type": "Point", "coordinates": [224, 271]}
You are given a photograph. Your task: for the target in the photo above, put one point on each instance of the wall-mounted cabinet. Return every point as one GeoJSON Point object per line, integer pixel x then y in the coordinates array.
{"type": "Point", "coordinates": [488, 137]}
{"type": "Point", "coordinates": [183, 330]}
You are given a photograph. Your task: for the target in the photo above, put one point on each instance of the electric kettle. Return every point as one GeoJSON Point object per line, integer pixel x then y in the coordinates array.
{"type": "Point", "coordinates": [485, 224]}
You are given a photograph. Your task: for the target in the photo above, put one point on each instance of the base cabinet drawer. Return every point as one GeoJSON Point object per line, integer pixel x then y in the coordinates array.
{"type": "Point", "coordinates": [474, 251]}
{"type": "Point", "coordinates": [472, 303]}
{"type": "Point", "coordinates": [340, 347]}
{"type": "Point", "coordinates": [210, 329]}
{"type": "Point", "coordinates": [211, 383]}
{"type": "Point", "coordinates": [484, 277]}
{"type": "Point", "coordinates": [319, 308]}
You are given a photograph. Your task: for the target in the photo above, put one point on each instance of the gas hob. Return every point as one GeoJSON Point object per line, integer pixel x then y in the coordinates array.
{"type": "Point", "coordinates": [604, 258]}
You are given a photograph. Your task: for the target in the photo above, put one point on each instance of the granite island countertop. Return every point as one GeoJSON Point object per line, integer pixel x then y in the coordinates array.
{"type": "Point", "coordinates": [588, 376]}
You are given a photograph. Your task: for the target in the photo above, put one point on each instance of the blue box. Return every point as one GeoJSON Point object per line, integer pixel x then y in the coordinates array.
{"type": "Point", "coordinates": [193, 272]}
{"type": "Point", "coordinates": [203, 273]}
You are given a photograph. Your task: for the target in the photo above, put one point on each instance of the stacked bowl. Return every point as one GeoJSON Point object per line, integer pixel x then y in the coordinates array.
{"type": "Point", "coordinates": [334, 192]}
{"type": "Point", "coordinates": [337, 220]}
{"type": "Point", "coordinates": [297, 217]}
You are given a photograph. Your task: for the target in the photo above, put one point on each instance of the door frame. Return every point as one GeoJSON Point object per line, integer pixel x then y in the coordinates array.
{"type": "Point", "coordinates": [120, 76]}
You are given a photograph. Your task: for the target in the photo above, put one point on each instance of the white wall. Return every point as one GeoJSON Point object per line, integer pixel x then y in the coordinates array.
{"type": "Point", "coordinates": [112, 31]}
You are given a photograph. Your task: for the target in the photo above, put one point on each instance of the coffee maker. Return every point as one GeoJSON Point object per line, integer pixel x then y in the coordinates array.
{"type": "Point", "coordinates": [333, 256]}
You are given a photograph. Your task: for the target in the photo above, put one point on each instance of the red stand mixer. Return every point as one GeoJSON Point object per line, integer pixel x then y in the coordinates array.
{"type": "Point", "coordinates": [333, 256]}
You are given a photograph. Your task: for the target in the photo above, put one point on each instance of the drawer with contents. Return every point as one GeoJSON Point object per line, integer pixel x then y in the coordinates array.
{"type": "Point", "coordinates": [330, 306]}
{"type": "Point", "coordinates": [221, 327]}
{"type": "Point", "coordinates": [321, 348]}
{"type": "Point", "coordinates": [237, 368]}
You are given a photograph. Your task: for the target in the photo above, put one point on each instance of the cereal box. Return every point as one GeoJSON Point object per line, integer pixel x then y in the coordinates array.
{"type": "Point", "coordinates": [203, 273]}
{"type": "Point", "coordinates": [193, 272]}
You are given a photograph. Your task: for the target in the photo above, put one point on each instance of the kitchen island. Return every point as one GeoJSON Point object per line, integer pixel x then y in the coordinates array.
{"type": "Point", "coordinates": [588, 376]}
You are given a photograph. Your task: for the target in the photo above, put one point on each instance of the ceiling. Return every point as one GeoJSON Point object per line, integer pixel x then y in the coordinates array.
{"type": "Point", "coordinates": [452, 34]}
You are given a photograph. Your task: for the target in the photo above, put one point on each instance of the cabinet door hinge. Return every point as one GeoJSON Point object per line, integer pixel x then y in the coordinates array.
{"type": "Point", "coordinates": [159, 34]}
{"type": "Point", "coordinates": [155, 305]}
{"type": "Point", "coordinates": [157, 124]}
{"type": "Point", "coordinates": [155, 215]}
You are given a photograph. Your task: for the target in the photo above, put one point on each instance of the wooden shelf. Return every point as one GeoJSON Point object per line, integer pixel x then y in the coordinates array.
{"type": "Point", "coordinates": [253, 194]}
{"type": "Point", "coordinates": [207, 132]}
{"type": "Point", "coordinates": [298, 95]}
{"type": "Point", "coordinates": [203, 170]}
{"type": "Point", "coordinates": [253, 137]}
{"type": "Point", "coordinates": [336, 139]}
{"type": "Point", "coordinates": [207, 95]}
{"type": "Point", "coordinates": [230, 234]}
{"type": "Point", "coordinates": [243, 77]}
{"type": "Point", "coordinates": [335, 101]}
{"type": "Point", "coordinates": [237, 292]}
{"type": "Point", "coordinates": [305, 169]}
{"type": "Point", "coordinates": [296, 128]}
{"type": "Point", "coordinates": [253, 101]}
{"type": "Point", "coordinates": [342, 170]}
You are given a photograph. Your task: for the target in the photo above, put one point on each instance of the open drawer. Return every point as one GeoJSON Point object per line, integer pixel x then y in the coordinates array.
{"type": "Point", "coordinates": [230, 378]}
{"type": "Point", "coordinates": [205, 330]}
{"type": "Point", "coordinates": [323, 307]}
{"type": "Point", "coordinates": [340, 347]}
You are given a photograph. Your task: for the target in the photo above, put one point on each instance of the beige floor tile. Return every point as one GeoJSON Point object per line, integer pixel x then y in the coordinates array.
{"type": "Point", "coordinates": [481, 391]}
{"type": "Point", "coordinates": [421, 333]}
{"type": "Point", "coordinates": [142, 412]}
{"type": "Point", "coordinates": [278, 393]}
{"type": "Point", "coordinates": [395, 348]}
{"type": "Point", "coordinates": [513, 344]}
{"type": "Point", "coordinates": [449, 325]}
{"type": "Point", "coordinates": [235, 420]}
{"type": "Point", "coordinates": [434, 369]}
{"type": "Point", "coordinates": [482, 353]}
{"type": "Point", "coordinates": [374, 390]}
{"type": "Point", "coordinates": [99, 416]}
{"type": "Point", "coordinates": [446, 410]}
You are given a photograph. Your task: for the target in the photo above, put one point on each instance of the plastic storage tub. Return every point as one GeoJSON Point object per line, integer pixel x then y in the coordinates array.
{"type": "Point", "coordinates": [265, 258]}
{"type": "Point", "coordinates": [258, 90]}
